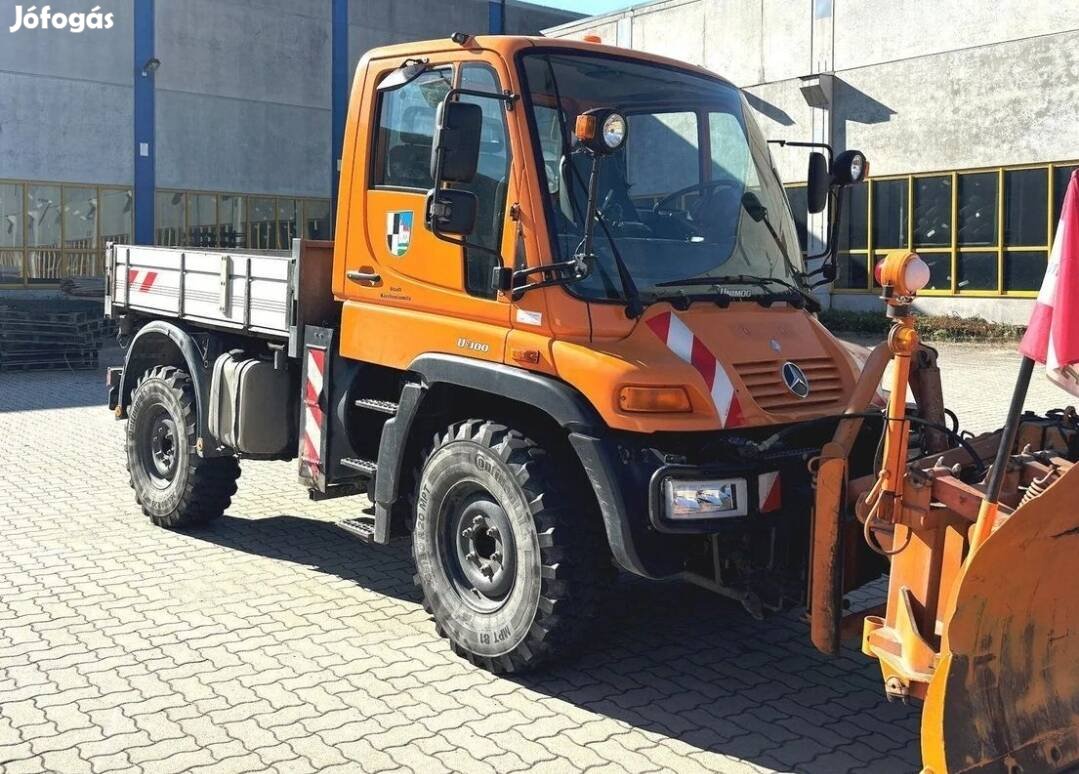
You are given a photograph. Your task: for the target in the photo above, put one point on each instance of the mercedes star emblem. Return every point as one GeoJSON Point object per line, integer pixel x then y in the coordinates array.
{"type": "Point", "coordinates": [795, 379]}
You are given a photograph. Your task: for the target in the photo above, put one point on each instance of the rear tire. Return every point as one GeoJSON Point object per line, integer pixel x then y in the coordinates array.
{"type": "Point", "coordinates": [512, 564]}
{"type": "Point", "coordinates": [174, 485]}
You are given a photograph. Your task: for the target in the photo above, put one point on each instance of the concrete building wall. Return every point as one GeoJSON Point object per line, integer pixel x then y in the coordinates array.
{"type": "Point", "coordinates": [66, 99]}
{"type": "Point", "coordinates": [243, 96]}
{"type": "Point", "coordinates": [383, 22]}
{"type": "Point", "coordinates": [242, 93]}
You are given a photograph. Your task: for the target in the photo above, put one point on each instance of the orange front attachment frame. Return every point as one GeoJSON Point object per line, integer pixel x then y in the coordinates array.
{"type": "Point", "coordinates": [981, 627]}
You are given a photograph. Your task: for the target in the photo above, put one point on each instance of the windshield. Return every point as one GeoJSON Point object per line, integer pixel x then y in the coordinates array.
{"type": "Point", "coordinates": [691, 194]}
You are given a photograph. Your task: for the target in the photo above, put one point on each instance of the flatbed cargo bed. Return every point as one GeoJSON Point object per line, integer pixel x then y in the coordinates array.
{"type": "Point", "coordinates": [264, 294]}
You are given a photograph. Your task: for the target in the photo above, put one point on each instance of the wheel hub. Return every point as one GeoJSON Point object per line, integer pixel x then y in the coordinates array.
{"type": "Point", "coordinates": [163, 449]}
{"type": "Point", "coordinates": [485, 552]}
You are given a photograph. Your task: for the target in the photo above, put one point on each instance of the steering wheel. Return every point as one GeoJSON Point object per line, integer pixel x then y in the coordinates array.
{"type": "Point", "coordinates": [712, 186]}
{"type": "Point", "coordinates": [697, 220]}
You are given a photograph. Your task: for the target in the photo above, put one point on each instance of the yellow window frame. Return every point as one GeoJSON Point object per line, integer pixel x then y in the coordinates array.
{"type": "Point", "coordinates": [999, 248]}
{"type": "Point", "coordinates": [301, 211]}
{"type": "Point", "coordinates": [24, 250]}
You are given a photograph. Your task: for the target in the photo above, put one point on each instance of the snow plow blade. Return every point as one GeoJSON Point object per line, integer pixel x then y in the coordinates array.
{"type": "Point", "coordinates": [1004, 696]}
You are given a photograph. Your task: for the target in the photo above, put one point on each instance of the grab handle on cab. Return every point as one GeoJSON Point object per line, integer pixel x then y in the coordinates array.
{"type": "Point", "coordinates": [364, 276]}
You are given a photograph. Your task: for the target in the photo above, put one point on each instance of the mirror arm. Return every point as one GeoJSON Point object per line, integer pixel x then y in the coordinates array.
{"type": "Point", "coordinates": [506, 96]}
{"type": "Point", "coordinates": [829, 268]}
{"type": "Point", "coordinates": [516, 291]}
{"type": "Point", "coordinates": [439, 234]}
{"type": "Point", "coordinates": [800, 144]}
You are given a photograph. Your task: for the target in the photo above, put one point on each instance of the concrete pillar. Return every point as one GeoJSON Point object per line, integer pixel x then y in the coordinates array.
{"type": "Point", "coordinates": [496, 17]}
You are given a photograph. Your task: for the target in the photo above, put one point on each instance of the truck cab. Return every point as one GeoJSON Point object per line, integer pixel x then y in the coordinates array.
{"type": "Point", "coordinates": [692, 194]}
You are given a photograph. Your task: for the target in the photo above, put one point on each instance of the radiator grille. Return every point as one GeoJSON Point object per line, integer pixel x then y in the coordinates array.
{"type": "Point", "coordinates": [765, 384]}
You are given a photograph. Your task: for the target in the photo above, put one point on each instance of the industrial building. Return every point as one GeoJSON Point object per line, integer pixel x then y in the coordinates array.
{"type": "Point", "coordinates": [212, 122]}
{"type": "Point", "coordinates": [967, 110]}
{"type": "Point", "coordinates": [188, 122]}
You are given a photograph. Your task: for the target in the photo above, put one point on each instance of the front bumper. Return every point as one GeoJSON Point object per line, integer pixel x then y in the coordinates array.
{"type": "Point", "coordinates": [627, 477]}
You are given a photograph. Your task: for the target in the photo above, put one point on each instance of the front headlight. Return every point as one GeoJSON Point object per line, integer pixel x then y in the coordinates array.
{"type": "Point", "coordinates": [705, 499]}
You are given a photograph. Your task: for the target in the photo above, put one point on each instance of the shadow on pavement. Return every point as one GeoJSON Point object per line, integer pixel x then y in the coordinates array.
{"type": "Point", "coordinates": [319, 545]}
{"type": "Point", "coordinates": [671, 659]}
{"type": "Point", "coordinates": [58, 389]}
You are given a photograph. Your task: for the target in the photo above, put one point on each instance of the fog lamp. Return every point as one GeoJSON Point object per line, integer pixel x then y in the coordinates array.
{"type": "Point", "coordinates": [705, 499]}
{"type": "Point", "coordinates": [655, 400]}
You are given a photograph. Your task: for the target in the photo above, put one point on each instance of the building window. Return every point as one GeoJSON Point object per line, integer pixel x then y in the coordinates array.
{"type": "Point", "coordinates": [852, 242]}
{"type": "Point", "coordinates": [982, 232]}
{"type": "Point", "coordinates": [49, 231]}
{"type": "Point", "coordinates": [169, 218]}
{"type": "Point", "coordinates": [202, 220]}
{"type": "Point", "coordinates": [234, 221]}
{"type": "Point", "coordinates": [317, 223]}
{"type": "Point", "coordinates": [800, 210]}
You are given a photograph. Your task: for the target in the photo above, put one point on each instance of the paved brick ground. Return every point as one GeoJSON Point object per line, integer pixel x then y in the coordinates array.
{"type": "Point", "coordinates": [271, 642]}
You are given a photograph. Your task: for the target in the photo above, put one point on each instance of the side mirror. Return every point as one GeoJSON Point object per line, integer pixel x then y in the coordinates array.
{"type": "Point", "coordinates": [410, 70]}
{"type": "Point", "coordinates": [455, 152]}
{"type": "Point", "coordinates": [450, 211]}
{"type": "Point", "coordinates": [817, 183]}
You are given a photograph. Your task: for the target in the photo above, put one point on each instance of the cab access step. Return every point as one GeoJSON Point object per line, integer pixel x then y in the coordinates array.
{"type": "Point", "coordinates": [360, 527]}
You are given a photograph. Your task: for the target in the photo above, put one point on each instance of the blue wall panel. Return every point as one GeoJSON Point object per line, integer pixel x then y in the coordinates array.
{"type": "Point", "coordinates": [144, 122]}
{"type": "Point", "coordinates": [339, 87]}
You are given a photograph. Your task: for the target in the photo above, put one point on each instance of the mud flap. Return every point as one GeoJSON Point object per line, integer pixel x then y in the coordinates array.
{"type": "Point", "coordinates": [1005, 694]}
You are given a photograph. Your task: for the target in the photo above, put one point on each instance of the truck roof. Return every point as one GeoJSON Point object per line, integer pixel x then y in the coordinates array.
{"type": "Point", "coordinates": [508, 45]}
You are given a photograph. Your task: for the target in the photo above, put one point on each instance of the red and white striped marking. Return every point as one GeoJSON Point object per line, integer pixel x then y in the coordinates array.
{"type": "Point", "coordinates": [313, 414]}
{"type": "Point", "coordinates": [141, 280]}
{"type": "Point", "coordinates": [682, 342]}
{"type": "Point", "coordinates": [769, 495]}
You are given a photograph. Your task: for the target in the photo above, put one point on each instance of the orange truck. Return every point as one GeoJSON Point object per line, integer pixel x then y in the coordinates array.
{"type": "Point", "coordinates": [565, 327]}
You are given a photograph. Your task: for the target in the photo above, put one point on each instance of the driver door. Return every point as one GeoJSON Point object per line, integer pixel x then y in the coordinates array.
{"type": "Point", "coordinates": [434, 295]}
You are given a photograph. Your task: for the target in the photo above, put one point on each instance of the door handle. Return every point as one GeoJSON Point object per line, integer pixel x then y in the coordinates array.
{"type": "Point", "coordinates": [363, 276]}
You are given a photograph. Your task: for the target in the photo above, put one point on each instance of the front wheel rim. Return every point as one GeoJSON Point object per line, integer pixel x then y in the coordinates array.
{"type": "Point", "coordinates": [160, 448]}
{"type": "Point", "coordinates": [478, 548]}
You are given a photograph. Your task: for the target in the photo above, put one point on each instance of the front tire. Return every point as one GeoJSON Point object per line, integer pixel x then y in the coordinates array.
{"type": "Point", "coordinates": [512, 566]}
{"type": "Point", "coordinates": [174, 485]}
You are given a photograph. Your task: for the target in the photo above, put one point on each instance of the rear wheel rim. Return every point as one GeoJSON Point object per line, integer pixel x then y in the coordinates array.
{"type": "Point", "coordinates": [477, 547]}
{"type": "Point", "coordinates": [159, 447]}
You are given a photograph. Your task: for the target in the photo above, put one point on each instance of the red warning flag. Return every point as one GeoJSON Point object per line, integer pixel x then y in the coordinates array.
{"type": "Point", "coordinates": [1052, 337]}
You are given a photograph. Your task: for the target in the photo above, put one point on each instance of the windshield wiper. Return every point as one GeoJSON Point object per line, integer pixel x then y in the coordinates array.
{"type": "Point", "coordinates": [749, 279]}
{"type": "Point", "coordinates": [751, 203]}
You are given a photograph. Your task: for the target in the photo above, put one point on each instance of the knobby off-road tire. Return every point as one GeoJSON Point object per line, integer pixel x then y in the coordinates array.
{"type": "Point", "coordinates": [513, 563]}
{"type": "Point", "coordinates": [174, 485]}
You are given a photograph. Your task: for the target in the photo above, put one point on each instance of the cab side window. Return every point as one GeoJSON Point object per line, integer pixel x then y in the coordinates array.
{"type": "Point", "coordinates": [406, 126]}
{"type": "Point", "coordinates": [490, 183]}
